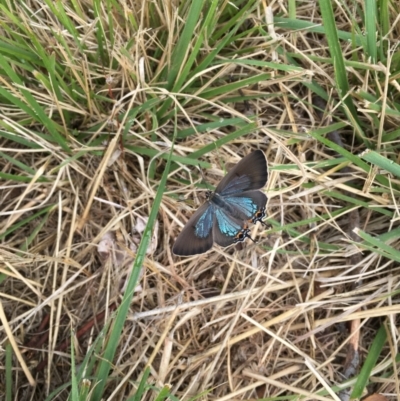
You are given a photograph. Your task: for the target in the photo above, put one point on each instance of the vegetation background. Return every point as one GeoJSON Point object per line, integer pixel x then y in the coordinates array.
{"type": "Point", "coordinates": [108, 109]}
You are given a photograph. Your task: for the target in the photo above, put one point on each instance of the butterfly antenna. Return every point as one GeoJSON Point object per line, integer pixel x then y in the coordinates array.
{"type": "Point", "coordinates": [248, 236]}
{"type": "Point", "coordinates": [201, 172]}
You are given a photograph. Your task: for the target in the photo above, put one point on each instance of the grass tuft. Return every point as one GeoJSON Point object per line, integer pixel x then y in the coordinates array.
{"type": "Point", "coordinates": [109, 110]}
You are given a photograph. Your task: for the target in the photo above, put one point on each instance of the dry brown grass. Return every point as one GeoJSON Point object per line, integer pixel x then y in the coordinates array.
{"type": "Point", "coordinates": [267, 320]}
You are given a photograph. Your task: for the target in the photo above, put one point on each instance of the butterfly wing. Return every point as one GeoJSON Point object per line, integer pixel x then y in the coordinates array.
{"type": "Point", "coordinates": [246, 205]}
{"type": "Point", "coordinates": [224, 217]}
{"type": "Point", "coordinates": [250, 173]}
{"type": "Point", "coordinates": [197, 235]}
{"type": "Point", "coordinates": [226, 228]}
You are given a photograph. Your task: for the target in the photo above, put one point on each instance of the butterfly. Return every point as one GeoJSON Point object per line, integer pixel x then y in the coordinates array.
{"type": "Point", "coordinates": [224, 218]}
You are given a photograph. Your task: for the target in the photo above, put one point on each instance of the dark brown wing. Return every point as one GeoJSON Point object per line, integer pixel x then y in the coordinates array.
{"type": "Point", "coordinates": [249, 174]}
{"type": "Point", "coordinates": [197, 235]}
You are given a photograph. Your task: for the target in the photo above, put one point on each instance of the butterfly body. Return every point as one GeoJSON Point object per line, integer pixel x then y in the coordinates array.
{"type": "Point", "coordinates": [225, 216]}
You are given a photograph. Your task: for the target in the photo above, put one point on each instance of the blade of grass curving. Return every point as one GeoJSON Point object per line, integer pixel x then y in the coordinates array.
{"type": "Point", "coordinates": [112, 7]}
{"type": "Point", "coordinates": [389, 112]}
{"type": "Point", "coordinates": [289, 228]}
{"type": "Point", "coordinates": [176, 158]}
{"type": "Point", "coordinates": [359, 65]}
{"type": "Point", "coordinates": [305, 238]}
{"type": "Point", "coordinates": [313, 165]}
{"type": "Point", "coordinates": [317, 89]}
{"type": "Point", "coordinates": [234, 86]}
{"type": "Point", "coordinates": [32, 107]}
{"type": "Point", "coordinates": [390, 235]}
{"type": "Point", "coordinates": [377, 245]}
{"type": "Point", "coordinates": [207, 127]}
{"type": "Point", "coordinates": [18, 164]}
{"type": "Point", "coordinates": [353, 158]}
{"type": "Point", "coordinates": [377, 108]}
{"type": "Point", "coordinates": [83, 373]}
{"type": "Point", "coordinates": [249, 128]}
{"type": "Point", "coordinates": [265, 64]}
{"type": "Point", "coordinates": [381, 161]}
{"type": "Point", "coordinates": [358, 202]}
{"type": "Point", "coordinates": [318, 135]}
{"type": "Point", "coordinates": [231, 99]}
{"type": "Point", "coordinates": [69, 160]}
{"type": "Point", "coordinates": [15, 101]}
{"type": "Point", "coordinates": [21, 56]}
{"type": "Point", "coordinates": [18, 178]}
{"type": "Point", "coordinates": [375, 103]}
{"type": "Point", "coordinates": [122, 312]}
{"type": "Point", "coordinates": [32, 235]}
{"type": "Point", "coordinates": [369, 364]}
{"type": "Point", "coordinates": [55, 394]}
{"type": "Point", "coordinates": [301, 25]}
{"type": "Point", "coordinates": [339, 66]}
{"type": "Point", "coordinates": [387, 137]}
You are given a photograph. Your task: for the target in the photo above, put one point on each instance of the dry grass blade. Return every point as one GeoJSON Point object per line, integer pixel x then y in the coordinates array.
{"type": "Point", "coordinates": [107, 109]}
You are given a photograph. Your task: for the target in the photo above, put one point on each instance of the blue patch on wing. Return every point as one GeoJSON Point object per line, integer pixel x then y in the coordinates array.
{"type": "Point", "coordinates": [204, 223]}
{"type": "Point", "coordinates": [226, 225]}
{"type": "Point", "coordinates": [246, 205]}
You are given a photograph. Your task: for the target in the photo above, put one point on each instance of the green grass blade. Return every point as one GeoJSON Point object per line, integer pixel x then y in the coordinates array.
{"type": "Point", "coordinates": [74, 382]}
{"type": "Point", "coordinates": [300, 25]}
{"type": "Point", "coordinates": [31, 106]}
{"type": "Point", "coordinates": [385, 26]}
{"type": "Point", "coordinates": [225, 40]}
{"type": "Point", "coordinates": [339, 67]}
{"type": "Point", "coordinates": [382, 162]}
{"type": "Point", "coordinates": [183, 45]}
{"type": "Point", "coordinates": [142, 388]}
{"type": "Point", "coordinates": [369, 364]}
{"type": "Point", "coordinates": [18, 164]}
{"type": "Point", "coordinates": [122, 312]}
{"type": "Point", "coordinates": [370, 29]}
{"type": "Point", "coordinates": [246, 130]}
{"type": "Point", "coordinates": [317, 134]}
{"type": "Point", "coordinates": [377, 245]}
{"type": "Point", "coordinates": [8, 371]}
{"type": "Point", "coordinates": [201, 37]}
